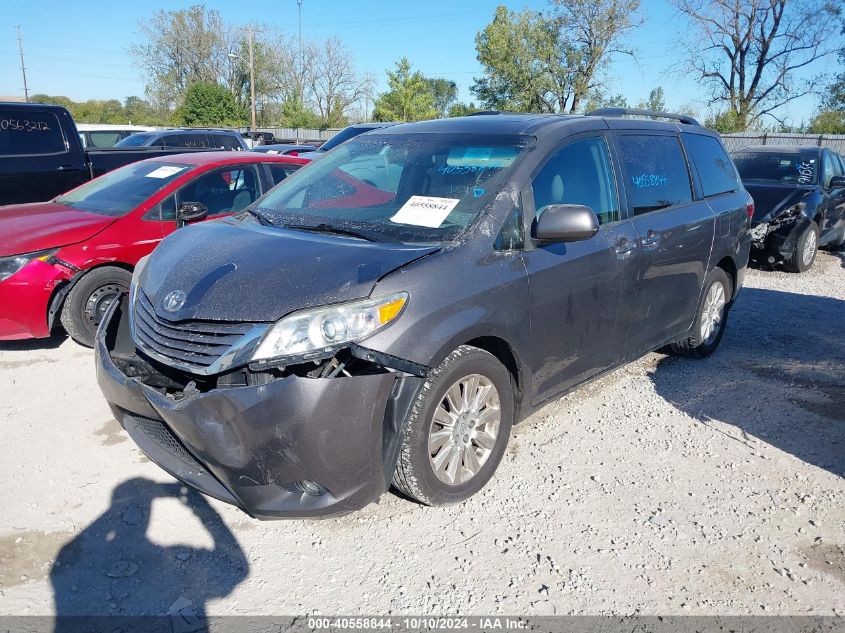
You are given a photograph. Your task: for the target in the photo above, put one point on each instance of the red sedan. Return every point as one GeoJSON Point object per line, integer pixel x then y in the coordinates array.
{"type": "Point", "coordinates": [66, 259]}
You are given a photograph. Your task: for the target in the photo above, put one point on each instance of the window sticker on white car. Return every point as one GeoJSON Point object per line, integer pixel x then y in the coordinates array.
{"type": "Point", "coordinates": [425, 211]}
{"type": "Point", "coordinates": [165, 171]}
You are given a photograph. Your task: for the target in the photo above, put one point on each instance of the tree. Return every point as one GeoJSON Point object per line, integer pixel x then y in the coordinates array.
{"type": "Point", "coordinates": [333, 83]}
{"type": "Point", "coordinates": [209, 105]}
{"type": "Point", "coordinates": [830, 122]}
{"type": "Point", "coordinates": [181, 48]}
{"type": "Point", "coordinates": [655, 101]}
{"type": "Point", "coordinates": [750, 52]}
{"type": "Point", "coordinates": [520, 54]}
{"type": "Point", "coordinates": [835, 94]}
{"type": "Point", "coordinates": [444, 93]}
{"type": "Point", "coordinates": [598, 99]}
{"type": "Point", "coordinates": [462, 109]}
{"type": "Point", "coordinates": [594, 30]}
{"type": "Point", "coordinates": [408, 97]}
{"type": "Point", "coordinates": [549, 62]}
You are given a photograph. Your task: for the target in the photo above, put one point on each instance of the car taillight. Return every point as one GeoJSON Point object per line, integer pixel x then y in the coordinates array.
{"type": "Point", "coordinates": [749, 210]}
{"type": "Point", "coordinates": [293, 153]}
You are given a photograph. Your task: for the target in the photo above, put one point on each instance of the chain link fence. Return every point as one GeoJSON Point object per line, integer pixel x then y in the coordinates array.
{"type": "Point", "coordinates": [836, 142]}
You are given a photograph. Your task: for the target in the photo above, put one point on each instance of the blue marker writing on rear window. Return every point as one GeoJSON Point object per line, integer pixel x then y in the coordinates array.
{"type": "Point", "coordinates": [477, 192]}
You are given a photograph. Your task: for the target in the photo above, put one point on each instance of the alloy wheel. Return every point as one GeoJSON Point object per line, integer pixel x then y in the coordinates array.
{"type": "Point", "coordinates": [712, 312]}
{"type": "Point", "coordinates": [464, 429]}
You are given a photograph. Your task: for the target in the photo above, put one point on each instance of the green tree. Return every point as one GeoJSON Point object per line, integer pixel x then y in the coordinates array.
{"type": "Point", "coordinates": [444, 93]}
{"type": "Point", "coordinates": [209, 104]}
{"type": "Point", "coordinates": [597, 98]}
{"type": "Point", "coordinates": [655, 101]}
{"type": "Point", "coordinates": [829, 122]}
{"type": "Point", "coordinates": [462, 109]}
{"type": "Point", "coordinates": [408, 97]}
{"type": "Point", "coordinates": [550, 62]}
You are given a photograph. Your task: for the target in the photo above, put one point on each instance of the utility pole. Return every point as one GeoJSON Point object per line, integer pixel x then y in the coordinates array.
{"type": "Point", "coordinates": [301, 86]}
{"type": "Point", "coordinates": [23, 68]}
{"type": "Point", "coordinates": [252, 81]}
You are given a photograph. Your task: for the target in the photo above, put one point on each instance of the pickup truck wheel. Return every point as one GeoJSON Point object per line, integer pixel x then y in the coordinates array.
{"type": "Point", "coordinates": [805, 250]}
{"type": "Point", "coordinates": [89, 299]}
{"type": "Point", "coordinates": [712, 317]}
{"type": "Point", "coordinates": [457, 429]}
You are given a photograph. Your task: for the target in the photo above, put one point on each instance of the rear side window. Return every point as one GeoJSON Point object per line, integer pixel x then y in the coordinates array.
{"type": "Point", "coordinates": [280, 172]}
{"type": "Point", "coordinates": [655, 172]}
{"type": "Point", "coordinates": [714, 167]}
{"type": "Point", "coordinates": [105, 139]}
{"type": "Point", "coordinates": [30, 132]}
{"type": "Point", "coordinates": [225, 141]}
{"type": "Point", "coordinates": [580, 173]}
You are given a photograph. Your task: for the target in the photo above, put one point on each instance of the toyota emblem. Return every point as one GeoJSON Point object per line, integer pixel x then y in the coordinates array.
{"type": "Point", "coordinates": [173, 301]}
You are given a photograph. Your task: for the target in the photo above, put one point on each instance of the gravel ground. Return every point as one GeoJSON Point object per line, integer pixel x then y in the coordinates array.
{"type": "Point", "coordinates": [668, 487]}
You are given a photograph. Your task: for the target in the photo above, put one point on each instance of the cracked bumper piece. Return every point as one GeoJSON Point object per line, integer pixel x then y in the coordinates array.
{"type": "Point", "coordinates": [294, 447]}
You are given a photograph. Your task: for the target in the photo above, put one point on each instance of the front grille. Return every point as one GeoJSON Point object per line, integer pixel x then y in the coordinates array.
{"type": "Point", "coordinates": [193, 343]}
{"type": "Point", "coordinates": [159, 433]}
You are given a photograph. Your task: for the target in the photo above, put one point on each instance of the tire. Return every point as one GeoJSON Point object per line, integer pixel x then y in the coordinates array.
{"type": "Point", "coordinates": [416, 474]}
{"type": "Point", "coordinates": [706, 335]}
{"type": "Point", "coordinates": [89, 298]}
{"type": "Point", "coordinates": [805, 250]}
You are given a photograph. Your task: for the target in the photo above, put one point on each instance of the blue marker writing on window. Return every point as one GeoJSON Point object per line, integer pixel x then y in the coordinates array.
{"type": "Point", "coordinates": [644, 181]}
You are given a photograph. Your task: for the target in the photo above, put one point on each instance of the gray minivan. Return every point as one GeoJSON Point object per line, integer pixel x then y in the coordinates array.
{"type": "Point", "coordinates": [386, 314]}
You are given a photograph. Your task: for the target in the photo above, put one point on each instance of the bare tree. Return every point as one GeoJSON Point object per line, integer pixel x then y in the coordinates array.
{"type": "Point", "coordinates": [333, 84]}
{"type": "Point", "coordinates": [750, 52]}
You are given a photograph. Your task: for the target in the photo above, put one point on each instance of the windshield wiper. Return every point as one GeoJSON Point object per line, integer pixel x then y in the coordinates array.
{"type": "Point", "coordinates": [322, 227]}
{"type": "Point", "coordinates": [261, 217]}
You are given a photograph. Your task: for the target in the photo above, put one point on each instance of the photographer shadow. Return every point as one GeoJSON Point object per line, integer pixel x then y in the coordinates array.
{"type": "Point", "coordinates": [111, 576]}
{"type": "Point", "coordinates": [790, 390]}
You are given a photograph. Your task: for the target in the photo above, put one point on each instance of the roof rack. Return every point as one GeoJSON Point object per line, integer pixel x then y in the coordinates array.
{"type": "Point", "coordinates": [654, 114]}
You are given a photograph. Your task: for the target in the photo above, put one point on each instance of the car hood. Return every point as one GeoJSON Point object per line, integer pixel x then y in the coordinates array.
{"type": "Point", "coordinates": [772, 200]}
{"type": "Point", "coordinates": [239, 271]}
{"type": "Point", "coordinates": [25, 228]}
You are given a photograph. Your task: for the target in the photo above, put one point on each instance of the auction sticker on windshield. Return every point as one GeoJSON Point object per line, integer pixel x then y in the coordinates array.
{"type": "Point", "coordinates": [165, 171]}
{"type": "Point", "coordinates": [425, 211]}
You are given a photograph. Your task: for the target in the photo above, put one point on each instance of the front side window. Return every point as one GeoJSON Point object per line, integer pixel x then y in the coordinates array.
{"type": "Point", "coordinates": [656, 173]}
{"type": "Point", "coordinates": [223, 190]}
{"type": "Point", "coordinates": [30, 132]}
{"type": "Point", "coordinates": [280, 172]}
{"type": "Point", "coordinates": [580, 173]}
{"type": "Point", "coordinates": [778, 168]}
{"type": "Point", "coordinates": [829, 171]}
{"type": "Point", "coordinates": [118, 192]}
{"type": "Point", "coordinates": [714, 166]}
{"type": "Point", "coordinates": [406, 187]}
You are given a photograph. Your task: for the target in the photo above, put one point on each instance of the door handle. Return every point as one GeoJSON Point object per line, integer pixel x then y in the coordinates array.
{"type": "Point", "coordinates": [624, 245]}
{"type": "Point", "coordinates": [651, 238]}
{"type": "Point", "coordinates": [65, 167]}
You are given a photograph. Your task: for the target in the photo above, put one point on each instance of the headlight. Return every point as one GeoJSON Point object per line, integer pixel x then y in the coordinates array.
{"type": "Point", "coordinates": [323, 329]}
{"type": "Point", "coordinates": [10, 265]}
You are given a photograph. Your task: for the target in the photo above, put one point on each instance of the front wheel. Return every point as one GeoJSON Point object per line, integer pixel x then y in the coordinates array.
{"type": "Point", "coordinates": [805, 250]}
{"type": "Point", "coordinates": [712, 317]}
{"type": "Point", "coordinates": [457, 430]}
{"type": "Point", "coordinates": [89, 299]}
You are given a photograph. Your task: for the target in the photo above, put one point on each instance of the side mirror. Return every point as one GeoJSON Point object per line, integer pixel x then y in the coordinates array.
{"type": "Point", "coordinates": [566, 223]}
{"type": "Point", "coordinates": [190, 212]}
{"type": "Point", "coordinates": [836, 182]}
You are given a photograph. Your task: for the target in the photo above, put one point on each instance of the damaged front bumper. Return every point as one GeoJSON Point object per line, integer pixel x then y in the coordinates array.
{"type": "Point", "coordinates": [282, 446]}
{"type": "Point", "coordinates": [775, 241]}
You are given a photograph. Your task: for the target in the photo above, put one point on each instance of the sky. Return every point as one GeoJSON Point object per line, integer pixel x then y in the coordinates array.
{"type": "Point", "coordinates": [82, 53]}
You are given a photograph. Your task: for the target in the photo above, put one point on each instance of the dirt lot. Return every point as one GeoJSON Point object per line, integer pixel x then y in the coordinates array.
{"type": "Point", "coordinates": [669, 487]}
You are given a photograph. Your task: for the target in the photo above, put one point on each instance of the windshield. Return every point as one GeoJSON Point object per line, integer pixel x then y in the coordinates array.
{"type": "Point", "coordinates": [118, 192]}
{"type": "Point", "coordinates": [788, 168]}
{"type": "Point", "coordinates": [408, 187]}
{"type": "Point", "coordinates": [134, 140]}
